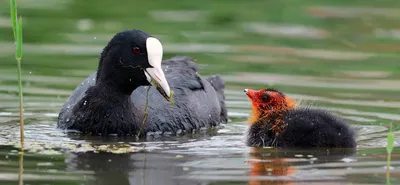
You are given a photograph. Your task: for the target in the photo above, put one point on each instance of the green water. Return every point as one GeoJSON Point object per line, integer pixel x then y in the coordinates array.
{"type": "Point", "coordinates": [340, 55]}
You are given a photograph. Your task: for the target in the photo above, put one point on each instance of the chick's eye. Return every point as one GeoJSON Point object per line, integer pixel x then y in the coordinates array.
{"type": "Point", "coordinates": [136, 50]}
{"type": "Point", "coordinates": [264, 97]}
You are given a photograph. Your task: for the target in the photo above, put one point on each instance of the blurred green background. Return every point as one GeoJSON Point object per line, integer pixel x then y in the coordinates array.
{"type": "Point", "coordinates": [319, 38]}
{"type": "Point", "coordinates": [337, 54]}
{"type": "Point", "coordinates": [313, 47]}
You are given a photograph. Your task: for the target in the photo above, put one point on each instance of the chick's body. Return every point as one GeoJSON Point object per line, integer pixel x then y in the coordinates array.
{"type": "Point", "coordinates": [277, 122]}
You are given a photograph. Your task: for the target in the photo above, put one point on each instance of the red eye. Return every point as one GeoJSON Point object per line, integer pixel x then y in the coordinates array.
{"type": "Point", "coordinates": [136, 50]}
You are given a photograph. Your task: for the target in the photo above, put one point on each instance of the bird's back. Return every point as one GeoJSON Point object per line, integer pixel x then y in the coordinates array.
{"type": "Point", "coordinates": [317, 128]}
{"type": "Point", "coordinates": [198, 102]}
{"type": "Point", "coordinates": [305, 128]}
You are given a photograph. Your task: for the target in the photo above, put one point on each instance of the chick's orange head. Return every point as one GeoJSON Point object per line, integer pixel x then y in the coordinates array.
{"type": "Point", "coordinates": [257, 97]}
{"type": "Point", "coordinates": [267, 101]}
{"type": "Point", "coordinates": [268, 97]}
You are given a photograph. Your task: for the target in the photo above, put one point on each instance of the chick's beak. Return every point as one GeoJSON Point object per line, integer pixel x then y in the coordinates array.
{"type": "Point", "coordinates": [250, 93]}
{"type": "Point", "coordinates": [155, 75]}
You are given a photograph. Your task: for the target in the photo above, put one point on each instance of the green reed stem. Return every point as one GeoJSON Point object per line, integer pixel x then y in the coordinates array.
{"type": "Point", "coordinates": [21, 167]}
{"type": "Point", "coordinates": [389, 149]}
{"type": "Point", "coordinates": [145, 110]}
{"type": "Point", "coordinates": [17, 30]}
{"type": "Point", "coordinates": [13, 12]}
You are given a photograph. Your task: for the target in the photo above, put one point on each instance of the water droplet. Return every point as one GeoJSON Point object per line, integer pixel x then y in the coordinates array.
{"type": "Point", "coordinates": [69, 106]}
{"type": "Point", "coordinates": [130, 79]}
{"type": "Point", "coordinates": [30, 72]}
{"type": "Point", "coordinates": [347, 160]}
{"type": "Point", "coordinates": [390, 167]}
{"type": "Point", "coordinates": [209, 115]}
{"type": "Point", "coordinates": [107, 115]}
{"type": "Point", "coordinates": [67, 120]}
{"type": "Point", "coordinates": [94, 38]}
{"type": "Point", "coordinates": [84, 103]}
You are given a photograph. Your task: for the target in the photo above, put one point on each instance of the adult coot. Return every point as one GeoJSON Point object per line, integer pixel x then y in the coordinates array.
{"type": "Point", "coordinates": [276, 121]}
{"type": "Point", "coordinates": [112, 100]}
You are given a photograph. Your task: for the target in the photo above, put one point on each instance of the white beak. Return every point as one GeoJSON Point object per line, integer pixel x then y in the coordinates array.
{"type": "Point", "coordinates": [155, 75]}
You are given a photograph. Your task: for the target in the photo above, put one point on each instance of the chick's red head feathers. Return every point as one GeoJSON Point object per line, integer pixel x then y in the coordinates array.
{"type": "Point", "coordinates": [266, 102]}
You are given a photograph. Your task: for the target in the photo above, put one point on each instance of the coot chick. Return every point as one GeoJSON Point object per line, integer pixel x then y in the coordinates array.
{"type": "Point", "coordinates": [277, 122]}
{"type": "Point", "coordinates": [112, 99]}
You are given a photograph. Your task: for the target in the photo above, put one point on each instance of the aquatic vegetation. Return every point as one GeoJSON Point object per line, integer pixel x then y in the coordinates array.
{"type": "Point", "coordinates": [147, 105]}
{"type": "Point", "coordinates": [278, 43]}
{"type": "Point", "coordinates": [389, 149]}
{"type": "Point", "coordinates": [17, 30]}
{"type": "Point", "coordinates": [145, 110]}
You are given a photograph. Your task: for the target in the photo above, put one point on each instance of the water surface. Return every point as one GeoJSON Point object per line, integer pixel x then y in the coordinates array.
{"type": "Point", "coordinates": [334, 55]}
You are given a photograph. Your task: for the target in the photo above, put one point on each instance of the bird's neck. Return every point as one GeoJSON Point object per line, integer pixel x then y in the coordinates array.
{"type": "Point", "coordinates": [272, 116]}
{"type": "Point", "coordinates": [124, 85]}
{"type": "Point", "coordinates": [113, 74]}
{"type": "Point", "coordinates": [108, 111]}
{"type": "Point", "coordinates": [258, 113]}
{"type": "Point", "coordinates": [266, 111]}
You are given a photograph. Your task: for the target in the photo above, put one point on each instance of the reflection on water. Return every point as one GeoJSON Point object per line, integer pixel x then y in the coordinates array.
{"type": "Point", "coordinates": [254, 167]}
{"type": "Point", "coordinates": [340, 58]}
{"type": "Point", "coordinates": [54, 157]}
{"type": "Point", "coordinates": [206, 159]}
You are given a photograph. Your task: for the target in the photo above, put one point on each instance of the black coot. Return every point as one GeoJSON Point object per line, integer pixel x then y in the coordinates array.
{"type": "Point", "coordinates": [277, 122]}
{"type": "Point", "coordinates": [112, 100]}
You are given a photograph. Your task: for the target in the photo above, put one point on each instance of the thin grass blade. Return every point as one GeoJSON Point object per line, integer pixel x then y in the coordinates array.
{"type": "Point", "coordinates": [390, 141]}
{"type": "Point", "coordinates": [13, 14]}
{"type": "Point", "coordinates": [18, 55]}
{"type": "Point", "coordinates": [17, 31]}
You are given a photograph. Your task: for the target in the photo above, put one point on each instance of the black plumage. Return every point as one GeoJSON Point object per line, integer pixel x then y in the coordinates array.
{"type": "Point", "coordinates": [112, 99]}
{"type": "Point", "coordinates": [277, 122]}
{"type": "Point", "coordinates": [304, 128]}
